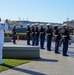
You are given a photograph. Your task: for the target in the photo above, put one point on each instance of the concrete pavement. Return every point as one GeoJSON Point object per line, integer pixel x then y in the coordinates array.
{"type": "Point", "coordinates": [49, 64]}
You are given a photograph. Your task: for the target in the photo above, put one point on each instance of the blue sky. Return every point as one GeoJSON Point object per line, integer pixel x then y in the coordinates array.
{"type": "Point", "coordinates": [37, 10]}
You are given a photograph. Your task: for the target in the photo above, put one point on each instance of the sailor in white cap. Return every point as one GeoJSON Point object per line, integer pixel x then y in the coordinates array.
{"type": "Point", "coordinates": [49, 34]}
{"type": "Point", "coordinates": [41, 24]}
{"type": "Point", "coordinates": [48, 24]}
{"type": "Point", "coordinates": [33, 34]}
{"type": "Point", "coordinates": [42, 36]}
{"type": "Point", "coordinates": [2, 28]}
{"type": "Point", "coordinates": [28, 30]}
{"type": "Point", "coordinates": [66, 39]}
{"type": "Point", "coordinates": [56, 25]}
{"type": "Point", "coordinates": [57, 37]}
{"type": "Point", "coordinates": [36, 23]}
{"type": "Point", "coordinates": [64, 25]}
{"type": "Point", "coordinates": [36, 35]}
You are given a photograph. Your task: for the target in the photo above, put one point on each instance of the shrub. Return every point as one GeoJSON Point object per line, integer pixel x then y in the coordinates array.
{"type": "Point", "coordinates": [8, 34]}
{"type": "Point", "coordinates": [21, 36]}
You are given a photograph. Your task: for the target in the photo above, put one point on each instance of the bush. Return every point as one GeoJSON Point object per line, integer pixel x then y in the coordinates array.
{"type": "Point", "coordinates": [20, 36]}
{"type": "Point", "coordinates": [8, 34]}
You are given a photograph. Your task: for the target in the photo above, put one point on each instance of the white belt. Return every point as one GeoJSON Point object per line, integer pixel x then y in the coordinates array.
{"type": "Point", "coordinates": [64, 36]}
{"type": "Point", "coordinates": [49, 34]}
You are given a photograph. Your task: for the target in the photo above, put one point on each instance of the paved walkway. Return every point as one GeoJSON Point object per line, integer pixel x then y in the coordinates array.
{"type": "Point", "coordinates": [49, 64]}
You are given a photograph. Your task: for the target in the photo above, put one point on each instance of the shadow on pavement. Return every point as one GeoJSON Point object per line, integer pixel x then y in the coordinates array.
{"type": "Point", "coordinates": [70, 52]}
{"type": "Point", "coordinates": [72, 56]}
{"type": "Point", "coordinates": [47, 60]}
{"type": "Point", "coordinates": [71, 47]}
{"type": "Point", "coordinates": [23, 70]}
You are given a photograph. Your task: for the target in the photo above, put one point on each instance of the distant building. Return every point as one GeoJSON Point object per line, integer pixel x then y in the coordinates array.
{"type": "Point", "coordinates": [23, 24]}
{"type": "Point", "coordinates": [69, 23]}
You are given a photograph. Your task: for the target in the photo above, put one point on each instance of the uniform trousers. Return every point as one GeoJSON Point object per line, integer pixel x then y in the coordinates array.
{"type": "Point", "coordinates": [33, 40]}
{"type": "Point", "coordinates": [37, 41]}
{"type": "Point", "coordinates": [56, 46]}
{"type": "Point", "coordinates": [42, 39]}
{"type": "Point", "coordinates": [65, 47]}
{"type": "Point", "coordinates": [48, 44]}
{"type": "Point", "coordinates": [28, 40]}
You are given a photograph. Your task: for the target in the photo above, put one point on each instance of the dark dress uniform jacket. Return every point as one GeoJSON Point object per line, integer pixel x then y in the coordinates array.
{"type": "Point", "coordinates": [37, 32]}
{"type": "Point", "coordinates": [28, 31]}
{"type": "Point", "coordinates": [49, 33]}
{"type": "Point", "coordinates": [57, 34]}
{"type": "Point", "coordinates": [14, 32]}
{"type": "Point", "coordinates": [33, 32]}
{"type": "Point", "coordinates": [42, 32]}
{"type": "Point", "coordinates": [65, 34]}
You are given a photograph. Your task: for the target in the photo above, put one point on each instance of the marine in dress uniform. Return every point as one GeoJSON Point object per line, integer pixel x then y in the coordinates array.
{"type": "Point", "coordinates": [33, 35]}
{"type": "Point", "coordinates": [3, 26]}
{"type": "Point", "coordinates": [42, 36]}
{"type": "Point", "coordinates": [66, 38]}
{"type": "Point", "coordinates": [28, 34]}
{"type": "Point", "coordinates": [49, 37]}
{"type": "Point", "coordinates": [57, 38]}
{"type": "Point", "coordinates": [36, 35]}
{"type": "Point", "coordinates": [14, 34]}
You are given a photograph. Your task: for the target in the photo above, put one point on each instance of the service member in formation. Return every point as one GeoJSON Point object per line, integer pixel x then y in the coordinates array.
{"type": "Point", "coordinates": [66, 39]}
{"type": "Point", "coordinates": [33, 34]}
{"type": "Point", "coordinates": [3, 26]}
{"type": "Point", "coordinates": [57, 37]}
{"type": "Point", "coordinates": [36, 35]}
{"type": "Point", "coordinates": [42, 36]}
{"type": "Point", "coordinates": [49, 35]}
{"type": "Point", "coordinates": [14, 34]}
{"type": "Point", "coordinates": [28, 34]}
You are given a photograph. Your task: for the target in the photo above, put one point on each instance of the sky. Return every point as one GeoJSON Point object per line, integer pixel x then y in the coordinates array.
{"type": "Point", "coordinates": [37, 10]}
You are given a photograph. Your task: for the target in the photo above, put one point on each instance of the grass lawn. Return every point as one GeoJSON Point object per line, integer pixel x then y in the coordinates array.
{"type": "Point", "coordinates": [11, 63]}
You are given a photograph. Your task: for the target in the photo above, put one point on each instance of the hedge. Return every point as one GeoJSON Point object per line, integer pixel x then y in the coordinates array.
{"type": "Point", "coordinates": [22, 36]}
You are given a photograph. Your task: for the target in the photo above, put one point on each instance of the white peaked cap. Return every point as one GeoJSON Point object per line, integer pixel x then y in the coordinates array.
{"type": "Point", "coordinates": [48, 24]}
{"type": "Point", "coordinates": [55, 25]}
{"type": "Point", "coordinates": [36, 23]}
{"type": "Point", "coordinates": [41, 24]}
{"type": "Point", "coordinates": [32, 24]}
{"type": "Point", "coordinates": [64, 25]}
{"type": "Point", "coordinates": [28, 24]}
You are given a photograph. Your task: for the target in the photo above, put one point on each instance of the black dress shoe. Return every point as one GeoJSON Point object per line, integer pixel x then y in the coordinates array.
{"type": "Point", "coordinates": [66, 55]}
{"type": "Point", "coordinates": [14, 43]}
{"type": "Point", "coordinates": [49, 50]}
{"type": "Point", "coordinates": [42, 48]}
{"type": "Point", "coordinates": [28, 44]}
{"type": "Point", "coordinates": [57, 52]}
